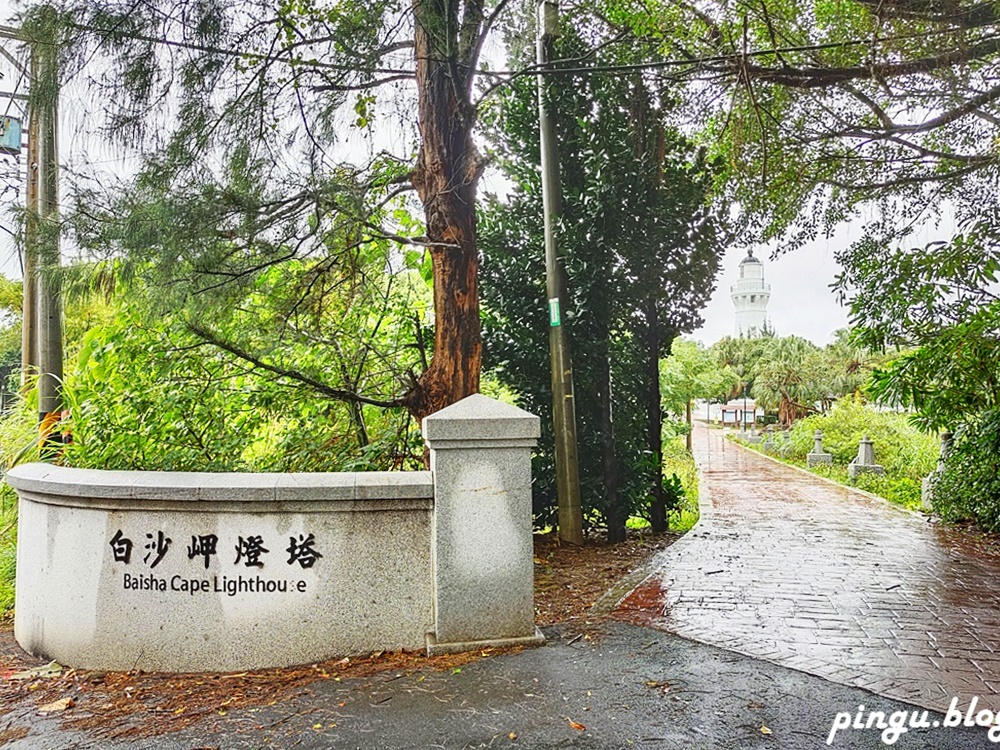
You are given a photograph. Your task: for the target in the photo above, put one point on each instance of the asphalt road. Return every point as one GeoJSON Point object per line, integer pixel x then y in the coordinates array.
{"type": "Point", "coordinates": [632, 687]}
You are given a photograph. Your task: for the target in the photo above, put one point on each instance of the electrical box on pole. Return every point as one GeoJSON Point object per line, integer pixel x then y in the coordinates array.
{"type": "Point", "coordinates": [10, 136]}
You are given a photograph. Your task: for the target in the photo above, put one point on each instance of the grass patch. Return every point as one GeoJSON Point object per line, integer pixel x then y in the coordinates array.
{"type": "Point", "coordinates": [902, 491]}
{"type": "Point", "coordinates": [677, 461]}
{"type": "Point", "coordinates": [8, 549]}
{"type": "Point", "coordinates": [18, 444]}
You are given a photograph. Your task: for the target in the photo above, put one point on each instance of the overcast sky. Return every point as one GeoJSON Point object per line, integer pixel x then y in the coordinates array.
{"type": "Point", "coordinates": [802, 302]}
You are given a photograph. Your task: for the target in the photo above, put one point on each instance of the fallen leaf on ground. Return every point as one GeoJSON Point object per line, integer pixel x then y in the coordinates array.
{"type": "Point", "coordinates": [512, 736]}
{"type": "Point", "coordinates": [575, 725]}
{"type": "Point", "coordinates": [765, 730]}
{"type": "Point", "coordinates": [52, 669]}
{"type": "Point", "coordinates": [60, 705]}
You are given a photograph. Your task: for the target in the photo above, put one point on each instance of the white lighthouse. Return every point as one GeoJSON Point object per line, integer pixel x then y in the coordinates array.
{"type": "Point", "coordinates": [750, 296]}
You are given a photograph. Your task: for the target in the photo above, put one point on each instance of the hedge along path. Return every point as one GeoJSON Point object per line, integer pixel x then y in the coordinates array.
{"type": "Point", "coordinates": [789, 568]}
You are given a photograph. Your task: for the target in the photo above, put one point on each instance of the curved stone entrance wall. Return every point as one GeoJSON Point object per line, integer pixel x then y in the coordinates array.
{"type": "Point", "coordinates": [217, 572]}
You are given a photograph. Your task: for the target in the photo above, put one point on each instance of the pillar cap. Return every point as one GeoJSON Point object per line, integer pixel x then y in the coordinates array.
{"type": "Point", "coordinates": [478, 417]}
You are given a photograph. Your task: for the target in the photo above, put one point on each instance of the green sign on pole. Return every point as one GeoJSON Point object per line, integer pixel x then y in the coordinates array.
{"type": "Point", "coordinates": [554, 318]}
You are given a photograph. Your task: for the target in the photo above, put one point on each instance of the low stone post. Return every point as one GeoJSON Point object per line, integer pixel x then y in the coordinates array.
{"type": "Point", "coordinates": [769, 443]}
{"type": "Point", "coordinates": [927, 485]}
{"type": "Point", "coordinates": [482, 550]}
{"type": "Point", "coordinates": [864, 462]}
{"type": "Point", "coordinates": [818, 456]}
{"type": "Point", "coordinates": [754, 438]}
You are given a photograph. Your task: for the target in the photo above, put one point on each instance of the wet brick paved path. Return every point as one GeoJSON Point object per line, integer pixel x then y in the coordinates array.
{"type": "Point", "coordinates": [788, 568]}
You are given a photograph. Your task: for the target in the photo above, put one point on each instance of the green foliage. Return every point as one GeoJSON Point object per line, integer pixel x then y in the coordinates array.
{"type": "Point", "coordinates": [19, 433]}
{"type": "Point", "coordinates": [691, 372]}
{"type": "Point", "coordinates": [152, 395]}
{"type": "Point", "coordinates": [904, 491]}
{"type": "Point", "coordinates": [741, 356]}
{"type": "Point", "coordinates": [900, 448]}
{"type": "Point", "coordinates": [680, 488]}
{"type": "Point", "coordinates": [144, 398]}
{"type": "Point", "coordinates": [969, 486]}
{"type": "Point", "coordinates": [939, 302]}
{"type": "Point", "coordinates": [640, 247]}
{"type": "Point", "coordinates": [8, 549]}
{"type": "Point", "coordinates": [786, 378]}
{"type": "Point", "coordinates": [812, 105]}
{"type": "Point", "coordinates": [18, 444]}
{"type": "Point", "coordinates": [678, 463]}
{"type": "Point", "coordinates": [791, 377]}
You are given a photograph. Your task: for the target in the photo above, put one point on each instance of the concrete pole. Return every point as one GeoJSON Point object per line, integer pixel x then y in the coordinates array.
{"type": "Point", "coordinates": [563, 405]}
{"type": "Point", "coordinates": [29, 308]}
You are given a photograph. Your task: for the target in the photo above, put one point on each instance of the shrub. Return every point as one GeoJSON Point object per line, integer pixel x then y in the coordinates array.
{"type": "Point", "coordinates": [681, 473]}
{"type": "Point", "coordinates": [969, 486]}
{"type": "Point", "coordinates": [899, 447]}
{"type": "Point", "coordinates": [901, 490]}
{"type": "Point", "coordinates": [18, 443]}
{"type": "Point", "coordinates": [8, 548]}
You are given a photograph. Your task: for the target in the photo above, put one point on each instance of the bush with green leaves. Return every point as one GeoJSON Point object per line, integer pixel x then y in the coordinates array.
{"type": "Point", "coordinates": [900, 448]}
{"type": "Point", "coordinates": [149, 395]}
{"type": "Point", "coordinates": [903, 491]}
{"type": "Point", "coordinates": [8, 548]}
{"type": "Point", "coordinates": [968, 488]}
{"type": "Point", "coordinates": [640, 244]}
{"type": "Point", "coordinates": [18, 444]}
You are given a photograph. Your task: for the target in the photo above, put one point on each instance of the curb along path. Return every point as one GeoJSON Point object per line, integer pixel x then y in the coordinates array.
{"type": "Point", "coordinates": [788, 568]}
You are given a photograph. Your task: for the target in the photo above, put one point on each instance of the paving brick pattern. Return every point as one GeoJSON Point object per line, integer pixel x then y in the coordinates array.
{"type": "Point", "coordinates": [789, 568]}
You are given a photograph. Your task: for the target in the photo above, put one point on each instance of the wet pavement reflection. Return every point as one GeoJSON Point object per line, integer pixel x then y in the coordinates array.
{"type": "Point", "coordinates": [786, 567]}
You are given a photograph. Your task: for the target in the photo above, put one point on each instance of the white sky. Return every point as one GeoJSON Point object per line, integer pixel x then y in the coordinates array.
{"type": "Point", "coordinates": [802, 302]}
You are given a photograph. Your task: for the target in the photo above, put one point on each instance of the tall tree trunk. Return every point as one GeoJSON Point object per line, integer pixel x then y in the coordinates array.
{"type": "Point", "coordinates": [654, 415]}
{"type": "Point", "coordinates": [447, 172]}
{"type": "Point", "coordinates": [614, 513]}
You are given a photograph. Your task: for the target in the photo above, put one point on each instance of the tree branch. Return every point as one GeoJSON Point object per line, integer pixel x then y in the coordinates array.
{"type": "Point", "coordinates": [816, 77]}
{"type": "Point", "coordinates": [375, 83]}
{"type": "Point", "coordinates": [338, 394]}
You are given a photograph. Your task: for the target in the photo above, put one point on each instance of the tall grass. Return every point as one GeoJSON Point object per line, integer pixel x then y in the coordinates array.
{"type": "Point", "coordinates": [18, 444]}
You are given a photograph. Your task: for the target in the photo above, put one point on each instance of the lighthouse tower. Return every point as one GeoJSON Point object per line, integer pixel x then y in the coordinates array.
{"type": "Point", "coordinates": [750, 296]}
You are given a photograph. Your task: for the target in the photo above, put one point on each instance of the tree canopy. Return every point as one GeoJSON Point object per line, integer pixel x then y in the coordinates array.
{"type": "Point", "coordinates": [822, 106]}
{"type": "Point", "coordinates": [249, 118]}
{"type": "Point", "coordinates": [641, 243]}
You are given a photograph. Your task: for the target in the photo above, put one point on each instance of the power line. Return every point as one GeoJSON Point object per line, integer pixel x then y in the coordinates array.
{"type": "Point", "coordinates": [733, 57]}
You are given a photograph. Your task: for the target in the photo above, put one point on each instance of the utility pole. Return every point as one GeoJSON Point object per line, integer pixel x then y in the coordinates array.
{"type": "Point", "coordinates": [29, 308]}
{"type": "Point", "coordinates": [45, 101]}
{"type": "Point", "coordinates": [563, 406]}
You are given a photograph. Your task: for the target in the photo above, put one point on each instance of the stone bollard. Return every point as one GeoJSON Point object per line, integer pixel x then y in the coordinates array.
{"type": "Point", "coordinates": [754, 438]}
{"type": "Point", "coordinates": [769, 443]}
{"type": "Point", "coordinates": [482, 538]}
{"type": "Point", "coordinates": [927, 485]}
{"type": "Point", "coordinates": [864, 462]}
{"type": "Point", "coordinates": [818, 456]}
